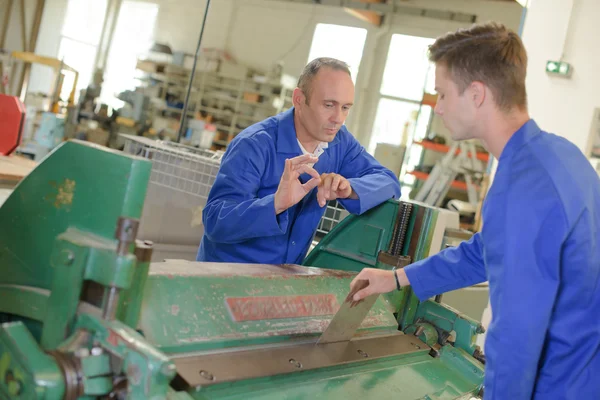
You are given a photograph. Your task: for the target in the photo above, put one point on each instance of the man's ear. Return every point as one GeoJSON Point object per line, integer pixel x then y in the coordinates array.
{"type": "Point", "coordinates": [477, 93]}
{"type": "Point", "coordinates": [298, 97]}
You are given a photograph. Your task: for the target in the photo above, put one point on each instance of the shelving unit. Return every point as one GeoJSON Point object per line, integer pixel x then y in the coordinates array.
{"type": "Point", "coordinates": [422, 176]}
{"type": "Point", "coordinates": [230, 102]}
{"type": "Point", "coordinates": [442, 148]}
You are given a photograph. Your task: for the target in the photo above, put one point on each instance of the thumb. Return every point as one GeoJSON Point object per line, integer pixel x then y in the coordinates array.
{"type": "Point", "coordinates": [366, 292]}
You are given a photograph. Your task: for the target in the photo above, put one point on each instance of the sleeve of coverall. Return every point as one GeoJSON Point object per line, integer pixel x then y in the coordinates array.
{"type": "Point", "coordinates": [526, 286]}
{"type": "Point", "coordinates": [233, 212]}
{"type": "Point", "coordinates": [451, 269]}
{"type": "Point", "coordinates": [372, 182]}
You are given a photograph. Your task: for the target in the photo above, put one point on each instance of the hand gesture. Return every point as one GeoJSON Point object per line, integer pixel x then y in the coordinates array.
{"type": "Point", "coordinates": [291, 190]}
{"type": "Point", "coordinates": [334, 186]}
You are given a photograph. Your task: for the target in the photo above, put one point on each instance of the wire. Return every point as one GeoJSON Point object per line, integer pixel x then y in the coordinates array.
{"type": "Point", "coordinates": [191, 81]}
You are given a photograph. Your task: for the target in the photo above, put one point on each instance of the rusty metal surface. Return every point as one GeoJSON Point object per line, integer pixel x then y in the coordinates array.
{"type": "Point", "coordinates": [349, 317]}
{"type": "Point", "coordinates": [210, 369]}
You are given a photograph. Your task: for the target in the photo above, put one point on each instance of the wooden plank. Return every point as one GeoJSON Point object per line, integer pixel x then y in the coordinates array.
{"type": "Point", "coordinates": [15, 168]}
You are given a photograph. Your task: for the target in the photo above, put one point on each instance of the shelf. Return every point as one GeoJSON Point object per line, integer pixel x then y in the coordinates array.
{"type": "Point", "coordinates": [442, 148]}
{"type": "Point", "coordinates": [230, 99]}
{"type": "Point", "coordinates": [455, 184]}
{"type": "Point", "coordinates": [223, 127]}
{"type": "Point", "coordinates": [217, 111]}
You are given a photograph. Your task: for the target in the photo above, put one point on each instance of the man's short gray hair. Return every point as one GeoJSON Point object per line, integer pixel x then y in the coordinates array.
{"type": "Point", "coordinates": [311, 69]}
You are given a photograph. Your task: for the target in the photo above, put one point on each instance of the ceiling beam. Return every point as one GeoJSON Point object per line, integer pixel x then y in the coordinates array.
{"type": "Point", "coordinates": [390, 7]}
{"type": "Point", "coordinates": [372, 17]}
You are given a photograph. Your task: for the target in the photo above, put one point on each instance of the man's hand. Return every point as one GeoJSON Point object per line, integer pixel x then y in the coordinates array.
{"type": "Point", "coordinates": [291, 190]}
{"type": "Point", "coordinates": [380, 281]}
{"type": "Point", "coordinates": [334, 186]}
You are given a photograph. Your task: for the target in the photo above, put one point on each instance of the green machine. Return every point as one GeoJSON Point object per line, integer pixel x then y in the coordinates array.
{"type": "Point", "coordinates": [85, 315]}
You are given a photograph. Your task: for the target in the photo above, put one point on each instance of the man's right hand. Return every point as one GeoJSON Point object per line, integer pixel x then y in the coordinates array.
{"type": "Point", "coordinates": [291, 190]}
{"type": "Point", "coordinates": [380, 281]}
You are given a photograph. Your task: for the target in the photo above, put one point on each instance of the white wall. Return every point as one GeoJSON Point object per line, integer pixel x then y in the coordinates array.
{"type": "Point", "coordinates": [178, 23]}
{"type": "Point", "coordinates": [47, 44]}
{"type": "Point", "coordinates": [564, 106]}
{"type": "Point", "coordinates": [14, 40]}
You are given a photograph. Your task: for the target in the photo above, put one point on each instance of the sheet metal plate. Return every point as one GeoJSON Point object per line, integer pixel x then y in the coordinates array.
{"type": "Point", "coordinates": [349, 317]}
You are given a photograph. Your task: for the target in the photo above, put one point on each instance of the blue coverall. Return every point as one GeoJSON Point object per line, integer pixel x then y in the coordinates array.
{"type": "Point", "coordinates": [540, 251]}
{"type": "Point", "coordinates": [239, 218]}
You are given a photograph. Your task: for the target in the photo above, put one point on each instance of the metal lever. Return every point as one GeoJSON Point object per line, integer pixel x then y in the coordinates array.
{"type": "Point", "coordinates": [126, 233]}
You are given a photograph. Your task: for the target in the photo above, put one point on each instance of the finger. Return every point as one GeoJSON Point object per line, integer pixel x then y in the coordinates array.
{"type": "Point", "coordinates": [304, 159]}
{"type": "Point", "coordinates": [305, 169]}
{"type": "Point", "coordinates": [326, 185]}
{"type": "Point", "coordinates": [344, 184]}
{"type": "Point", "coordinates": [362, 275]}
{"type": "Point", "coordinates": [321, 195]}
{"type": "Point", "coordinates": [310, 185]}
{"type": "Point", "coordinates": [335, 184]}
{"type": "Point", "coordinates": [287, 169]}
{"type": "Point", "coordinates": [361, 294]}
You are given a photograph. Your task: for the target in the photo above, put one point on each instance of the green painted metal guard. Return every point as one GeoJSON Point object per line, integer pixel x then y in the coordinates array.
{"type": "Point", "coordinates": [60, 193]}
{"type": "Point", "coordinates": [79, 191]}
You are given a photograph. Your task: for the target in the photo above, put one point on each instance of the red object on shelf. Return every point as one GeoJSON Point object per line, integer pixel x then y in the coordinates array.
{"type": "Point", "coordinates": [12, 120]}
{"type": "Point", "coordinates": [442, 148]}
{"type": "Point", "coordinates": [455, 184]}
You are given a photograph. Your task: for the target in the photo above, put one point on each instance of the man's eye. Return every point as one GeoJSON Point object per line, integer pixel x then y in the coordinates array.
{"type": "Point", "coordinates": [328, 105]}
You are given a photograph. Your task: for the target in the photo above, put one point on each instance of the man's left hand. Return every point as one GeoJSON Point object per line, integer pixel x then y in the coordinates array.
{"type": "Point", "coordinates": [334, 186]}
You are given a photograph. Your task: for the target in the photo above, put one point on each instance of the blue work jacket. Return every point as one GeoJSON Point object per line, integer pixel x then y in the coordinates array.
{"type": "Point", "coordinates": [540, 251]}
{"type": "Point", "coordinates": [239, 219]}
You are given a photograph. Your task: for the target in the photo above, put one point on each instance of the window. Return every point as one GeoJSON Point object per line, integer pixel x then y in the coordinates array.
{"type": "Point", "coordinates": [79, 40]}
{"type": "Point", "coordinates": [407, 74]}
{"type": "Point", "coordinates": [132, 38]}
{"type": "Point", "coordinates": [342, 42]}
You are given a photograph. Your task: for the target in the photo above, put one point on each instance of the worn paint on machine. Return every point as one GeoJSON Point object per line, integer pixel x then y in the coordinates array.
{"type": "Point", "coordinates": [278, 307]}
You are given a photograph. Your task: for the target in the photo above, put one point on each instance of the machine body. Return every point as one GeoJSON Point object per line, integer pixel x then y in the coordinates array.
{"type": "Point", "coordinates": [86, 315]}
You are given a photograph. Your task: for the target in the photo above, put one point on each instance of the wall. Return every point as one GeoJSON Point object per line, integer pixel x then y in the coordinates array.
{"type": "Point", "coordinates": [14, 40]}
{"type": "Point", "coordinates": [47, 44]}
{"type": "Point", "coordinates": [178, 23]}
{"type": "Point", "coordinates": [569, 28]}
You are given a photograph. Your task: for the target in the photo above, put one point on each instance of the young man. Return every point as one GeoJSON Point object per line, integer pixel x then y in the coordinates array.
{"type": "Point", "coordinates": [277, 176]}
{"type": "Point", "coordinates": [539, 247]}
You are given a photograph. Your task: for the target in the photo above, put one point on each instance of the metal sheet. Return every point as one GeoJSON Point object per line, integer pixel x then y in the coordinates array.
{"type": "Point", "coordinates": [349, 317]}
{"type": "Point", "coordinates": [228, 366]}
